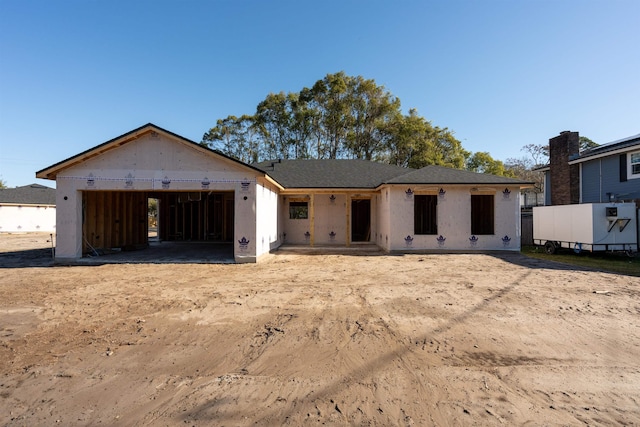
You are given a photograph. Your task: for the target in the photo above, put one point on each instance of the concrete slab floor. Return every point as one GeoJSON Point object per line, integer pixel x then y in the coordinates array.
{"type": "Point", "coordinates": [166, 253]}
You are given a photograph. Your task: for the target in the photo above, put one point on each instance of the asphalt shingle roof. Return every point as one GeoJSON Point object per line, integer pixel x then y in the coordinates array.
{"type": "Point", "coordinates": [442, 175]}
{"type": "Point", "coordinates": [629, 142]}
{"type": "Point", "coordinates": [329, 173]}
{"type": "Point", "coordinates": [34, 194]}
{"type": "Point", "coordinates": [342, 173]}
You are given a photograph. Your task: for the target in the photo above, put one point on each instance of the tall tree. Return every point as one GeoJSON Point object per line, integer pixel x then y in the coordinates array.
{"type": "Point", "coordinates": [482, 162]}
{"type": "Point", "coordinates": [338, 117]}
{"type": "Point", "coordinates": [330, 99]}
{"type": "Point", "coordinates": [586, 143]}
{"type": "Point", "coordinates": [372, 109]}
{"type": "Point", "coordinates": [448, 150]}
{"type": "Point", "coordinates": [235, 137]}
{"type": "Point", "coordinates": [405, 134]}
{"type": "Point", "coordinates": [522, 168]}
{"type": "Point", "coordinates": [273, 118]}
{"type": "Point", "coordinates": [538, 153]}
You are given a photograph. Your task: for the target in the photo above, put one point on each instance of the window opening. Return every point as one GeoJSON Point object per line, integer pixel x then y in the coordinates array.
{"type": "Point", "coordinates": [482, 214]}
{"type": "Point", "coordinates": [298, 210]}
{"type": "Point", "coordinates": [425, 220]}
{"type": "Point", "coordinates": [634, 159]}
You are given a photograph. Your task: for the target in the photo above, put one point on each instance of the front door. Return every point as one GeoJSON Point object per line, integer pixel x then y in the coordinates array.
{"type": "Point", "coordinates": [360, 220]}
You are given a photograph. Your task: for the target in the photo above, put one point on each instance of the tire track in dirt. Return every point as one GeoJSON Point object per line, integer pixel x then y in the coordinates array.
{"type": "Point", "coordinates": [400, 352]}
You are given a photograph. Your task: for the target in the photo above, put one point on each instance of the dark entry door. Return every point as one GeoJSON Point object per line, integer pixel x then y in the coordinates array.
{"type": "Point", "coordinates": [360, 220]}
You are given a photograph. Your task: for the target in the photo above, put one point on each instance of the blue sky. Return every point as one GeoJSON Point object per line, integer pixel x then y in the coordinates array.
{"type": "Point", "coordinates": [500, 73]}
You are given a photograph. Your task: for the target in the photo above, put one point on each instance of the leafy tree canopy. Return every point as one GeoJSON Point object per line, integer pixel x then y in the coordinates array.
{"type": "Point", "coordinates": [586, 143]}
{"type": "Point", "coordinates": [342, 116]}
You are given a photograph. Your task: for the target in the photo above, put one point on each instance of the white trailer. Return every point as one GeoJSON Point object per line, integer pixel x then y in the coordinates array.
{"type": "Point", "coordinates": [586, 227]}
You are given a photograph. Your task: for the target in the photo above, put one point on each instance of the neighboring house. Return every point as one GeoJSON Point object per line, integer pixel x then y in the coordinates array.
{"type": "Point", "coordinates": [609, 172]}
{"type": "Point", "coordinates": [28, 208]}
{"type": "Point", "coordinates": [203, 195]}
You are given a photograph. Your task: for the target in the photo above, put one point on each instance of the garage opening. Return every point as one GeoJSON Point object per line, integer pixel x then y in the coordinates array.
{"type": "Point", "coordinates": [115, 221]}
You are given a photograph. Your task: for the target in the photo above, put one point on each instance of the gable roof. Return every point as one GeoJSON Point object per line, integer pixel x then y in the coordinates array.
{"type": "Point", "coordinates": [433, 174]}
{"type": "Point", "coordinates": [304, 173]}
{"type": "Point", "coordinates": [620, 146]}
{"type": "Point", "coordinates": [33, 194]}
{"type": "Point", "coordinates": [342, 173]}
{"type": "Point", "coordinates": [329, 173]}
{"type": "Point", "coordinates": [52, 171]}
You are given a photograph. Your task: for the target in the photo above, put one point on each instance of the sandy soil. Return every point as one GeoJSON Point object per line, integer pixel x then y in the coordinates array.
{"type": "Point", "coordinates": [316, 339]}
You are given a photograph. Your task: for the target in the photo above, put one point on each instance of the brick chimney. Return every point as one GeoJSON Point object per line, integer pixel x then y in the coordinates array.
{"type": "Point", "coordinates": [564, 178]}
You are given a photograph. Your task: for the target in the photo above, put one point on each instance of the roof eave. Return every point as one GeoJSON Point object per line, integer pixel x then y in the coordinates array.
{"type": "Point", "coordinates": [524, 184]}
{"type": "Point", "coordinates": [297, 190]}
{"type": "Point", "coordinates": [272, 181]}
{"type": "Point", "coordinates": [618, 151]}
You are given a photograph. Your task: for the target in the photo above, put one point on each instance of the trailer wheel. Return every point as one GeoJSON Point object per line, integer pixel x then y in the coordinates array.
{"type": "Point", "coordinates": [630, 253]}
{"type": "Point", "coordinates": [550, 247]}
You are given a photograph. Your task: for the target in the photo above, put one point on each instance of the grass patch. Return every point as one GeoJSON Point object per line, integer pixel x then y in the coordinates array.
{"type": "Point", "coordinates": [614, 262]}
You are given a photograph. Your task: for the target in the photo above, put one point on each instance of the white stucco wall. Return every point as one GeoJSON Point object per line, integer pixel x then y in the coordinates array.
{"type": "Point", "coordinates": [27, 218]}
{"type": "Point", "coordinates": [384, 219]}
{"type": "Point", "coordinates": [245, 244]}
{"type": "Point", "coordinates": [454, 220]}
{"type": "Point", "coordinates": [68, 219]}
{"type": "Point", "coordinates": [330, 219]}
{"type": "Point", "coordinates": [296, 231]}
{"type": "Point", "coordinates": [159, 163]}
{"type": "Point", "coordinates": [148, 161]}
{"type": "Point", "coordinates": [331, 222]}
{"type": "Point", "coordinates": [267, 215]}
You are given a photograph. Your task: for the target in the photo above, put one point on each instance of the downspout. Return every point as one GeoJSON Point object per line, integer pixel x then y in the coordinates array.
{"type": "Point", "coordinates": [600, 182]}
{"type": "Point", "coordinates": [580, 186]}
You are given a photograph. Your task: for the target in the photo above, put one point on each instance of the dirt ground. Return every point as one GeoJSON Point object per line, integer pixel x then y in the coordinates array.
{"type": "Point", "coordinates": [316, 339]}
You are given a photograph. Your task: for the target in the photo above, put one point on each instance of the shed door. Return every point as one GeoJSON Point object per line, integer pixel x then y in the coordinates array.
{"type": "Point", "coordinates": [360, 220]}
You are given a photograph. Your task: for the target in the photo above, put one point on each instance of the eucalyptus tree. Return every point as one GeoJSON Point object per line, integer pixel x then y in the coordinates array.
{"type": "Point", "coordinates": [339, 116]}
{"type": "Point", "coordinates": [407, 140]}
{"type": "Point", "coordinates": [372, 110]}
{"type": "Point", "coordinates": [301, 126]}
{"type": "Point", "coordinates": [235, 137]}
{"type": "Point", "coordinates": [330, 100]}
{"type": "Point", "coordinates": [273, 120]}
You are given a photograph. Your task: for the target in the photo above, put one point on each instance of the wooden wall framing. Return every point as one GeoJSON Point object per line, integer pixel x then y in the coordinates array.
{"type": "Point", "coordinates": [114, 219]}
{"type": "Point", "coordinates": [119, 219]}
{"type": "Point", "coordinates": [196, 216]}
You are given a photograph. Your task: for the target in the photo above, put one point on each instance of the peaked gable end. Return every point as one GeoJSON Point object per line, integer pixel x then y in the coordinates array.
{"type": "Point", "coordinates": [148, 148]}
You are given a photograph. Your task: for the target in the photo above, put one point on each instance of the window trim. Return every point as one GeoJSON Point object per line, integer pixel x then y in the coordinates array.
{"type": "Point", "coordinates": [630, 174]}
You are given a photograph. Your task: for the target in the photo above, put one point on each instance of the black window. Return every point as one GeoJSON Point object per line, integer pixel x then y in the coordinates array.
{"type": "Point", "coordinates": [634, 158]}
{"type": "Point", "coordinates": [424, 213]}
{"type": "Point", "coordinates": [482, 216]}
{"type": "Point", "coordinates": [298, 210]}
